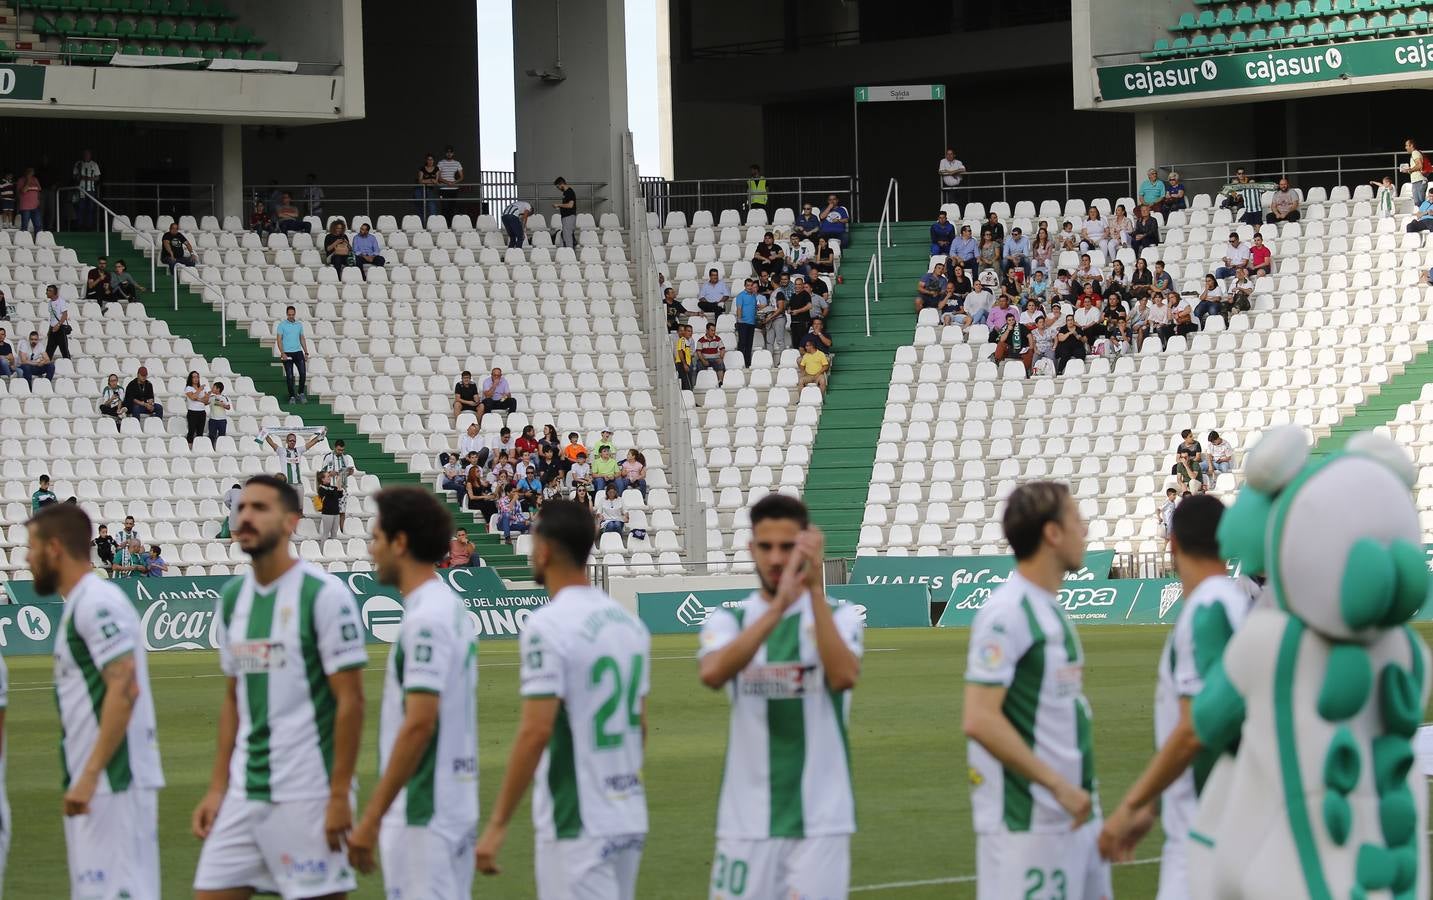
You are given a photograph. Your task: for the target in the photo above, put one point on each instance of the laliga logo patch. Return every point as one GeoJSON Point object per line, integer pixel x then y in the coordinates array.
{"type": "Point", "coordinates": [1168, 596]}
{"type": "Point", "coordinates": [1333, 57]}
{"type": "Point", "coordinates": [692, 612]}
{"type": "Point", "coordinates": [991, 654]}
{"type": "Point", "coordinates": [1209, 70]}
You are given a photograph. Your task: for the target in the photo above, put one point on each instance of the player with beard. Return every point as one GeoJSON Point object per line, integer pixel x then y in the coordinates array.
{"type": "Point", "coordinates": [585, 676]}
{"type": "Point", "coordinates": [789, 661]}
{"type": "Point", "coordinates": [108, 748]}
{"type": "Point", "coordinates": [281, 792]}
{"type": "Point", "coordinates": [424, 812]}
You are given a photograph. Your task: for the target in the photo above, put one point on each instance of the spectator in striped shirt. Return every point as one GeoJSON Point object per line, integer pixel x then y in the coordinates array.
{"type": "Point", "coordinates": [711, 353]}
{"type": "Point", "coordinates": [1246, 195]}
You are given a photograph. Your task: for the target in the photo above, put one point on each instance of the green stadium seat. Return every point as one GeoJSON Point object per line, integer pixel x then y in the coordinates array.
{"type": "Point", "coordinates": [153, 50]}
{"type": "Point", "coordinates": [124, 28]}
{"type": "Point", "coordinates": [65, 25]}
{"type": "Point", "coordinates": [43, 26]}
{"type": "Point", "coordinates": [1179, 47]}
{"type": "Point", "coordinates": [104, 28]}
{"type": "Point", "coordinates": [1237, 39]}
{"type": "Point", "coordinates": [1225, 17]}
{"type": "Point", "coordinates": [1264, 13]}
{"type": "Point", "coordinates": [193, 50]}
{"type": "Point", "coordinates": [1337, 29]}
{"type": "Point", "coordinates": [1398, 22]}
{"type": "Point", "coordinates": [204, 31]}
{"type": "Point", "coordinates": [173, 50]}
{"type": "Point", "coordinates": [270, 56]}
{"type": "Point", "coordinates": [144, 29]}
{"type": "Point", "coordinates": [1205, 20]}
{"type": "Point", "coordinates": [1296, 34]}
{"type": "Point", "coordinates": [1161, 49]}
{"type": "Point", "coordinates": [1303, 10]}
{"type": "Point", "coordinates": [164, 30]}
{"type": "Point", "coordinates": [184, 31]}
{"type": "Point", "coordinates": [182, 7]}
{"type": "Point", "coordinates": [1355, 26]}
{"type": "Point", "coordinates": [245, 35]}
{"type": "Point", "coordinates": [1277, 34]}
{"type": "Point", "coordinates": [1186, 23]}
{"type": "Point", "coordinates": [1376, 23]}
{"type": "Point", "coordinates": [225, 33]}
{"type": "Point", "coordinates": [210, 53]}
{"type": "Point", "coordinates": [1323, 8]}
{"type": "Point", "coordinates": [1316, 32]}
{"type": "Point", "coordinates": [85, 25]}
{"type": "Point", "coordinates": [1342, 7]}
{"type": "Point", "coordinates": [1199, 44]}
{"type": "Point", "coordinates": [1418, 19]}
{"type": "Point", "coordinates": [1259, 37]}
{"type": "Point", "coordinates": [132, 49]}
{"type": "Point", "coordinates": [124, 6]}
{"type": "Point", "coordinates": [1284, 11]}
{"type": "Point", "coordinates": [1219, 43]}
{"type": "Point", "coordinates": [164, 8]}
{"type": "Point", "coordinates": [1243, 15]}
{"type": "Point", "coordinates": [233, 53]}
{"type": "Point", "coordinates": [251, 55]}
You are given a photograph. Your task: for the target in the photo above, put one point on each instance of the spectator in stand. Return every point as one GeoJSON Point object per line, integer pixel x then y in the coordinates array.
{"type": "Point", "coordinates": [426, 193]}
{"type": "Point", "coordinates": [1235, 255]}
{"type": "Point", "coordinates": [29, 190]}
{"type": "Point", "coordinates": [958, 281]}
{"type": "Point", "coordinates": [527, 441]}
{"type": "Point", "coordinates": [7, 200]}
{"type": "Point", "coordinates": [1001, 313]}
{"type": "Point", "coordinates": [1067, 239]}
{"type": "Point", "coordinates": [571, 451]}
{"type": "Point", "coordinates": [1186, 472]}
{"type": "Point", "coordinates": [98, 286]}
{"type": "Point", "coordinates": [196, 407]}
{"type": "Point", "coordinates": [330, 498]}
{"type": "Point", "coordinates": [288, 217]}
{"type": "Point", "coordinates": [743, 306]}
{"type": "Point", "coordinates": [930, 291]}
{"type": "Point", "coordinates": [612, 512]}
{"type": "Point", "coordinates": [450, 179]}
{"type": "Point", "coordinates": [7, 357]}
{"type": "Point", "coordinates": [497, 393]}
{"type": "Point", "coordinates": [820, 336]}
{"type": "Point", "coordinates": [1181, 318]}
{"type": "Point", "coordinates": [807, 224]}
{"type": "Point", "coordinates": [942, 233]}
{"type": "Point", "coordinates": [633, 473]}
{"type": "Point", "coordinates": [980, 300]}
{"type": "Point", "coordinates": [472, 442]}
{"type": "Point", "coordinates": [1141, 280]}
{"type": "Point", "coordinates": [604, 468]}
{"type": "Point", "coordinates": [711, 353]}
{"type": "Point", "coordinates": [34, 360]}
{"type": "Point", "coordinates": [823, 260]}
{"type": "Point", "coordinates": [1240, 293]}
{"type": "Point", "coordinates": [988, 259]}
{"type": "Point", "coordinates": [1145, 231]}
{"type": "Point", "coordinates": [1417, 169]}
{"type": "Point", "coordinates": [1261, 261]}
{"type": "Point", "coordinates": [814, 366]}
{"type": "Point", "coordinates": [756, 196]}
{"type": "Point", "coordinates": [1093, 230]}
{"type": "Point", "coordinates": [1173, 195]}
{"type": "Point", "coordinates": [57, 338]}
{"type": "Point", "coordinates": [514, 218]}
{"type": "Point", "coordinates": [768, 258]}
{"type": "Point", "coordinates": [4, 309]}
{"type": "Point", "coordinates": [338, 463]}
{"type": "Point", "coordinates": [567, 211]}
{"type": "Point", "coordinates": [1116, 282]}
{"type": "Point", "coordinates": [1139, 322]}
{"type": "Point", "coordinates": [1088, 274]}
{"type": "Point", "coordinates": [1037, 289]}
{"type": "Point", "coordinates": [506, 444]}
{"type": "Point", "coordinates": [994, 228]}
{"type": "Point", "coordinates": [1117, 232]}
{"type": "Point", "coordinates": [260, 222]}
{"type": "Point", "coordinates": [122, 284]}
{"type": "Point", "coordinates": [1383, 201]}
{"type": "Point", "coordinates": [1283, 205]}
{"type": "Point", "coordinates": [801, 308]}
{"type": "Point", "coordinates": [1042, 335]}
{"type": "Point", "coordinates": [460, 550]}
{"type": "Point", "coordinates": [337, 248]}
{"type": "Point", "coordinates": [950, 170]}
{"type": "Point", "coordinates": [1014, 340]}
{"type": "Point", "coordinates": [713, 298]}
{"type": "Point", "coordinates": [580, 473]}
{"type": "Point", "coordinates": [128, 560]}
{"type": "Point", "coordinates": [965, 252]}
{"type": "Point", "coordinates": [1088, 317]}
{"type": "Point", "coordinates": [1016, 252]}
{"type": "Point", "coordinates": [511, 514]}
{"type": "Point", "coordinates": [1161, 282]}
{"type": "Point", "coordinates": [1245, 198]}
{"type": "Point", "coordinates": [450, 476]}
{"type": "Point", "coordinates": [771, 318]}
{"type": "Point", "coordinates": [1220, 456]}
{"type": "Point", "coordinates": [175, 249]}
{"type": "Point", "coordinates": [127, 533]}
{"type": "Point", "coordinates": [1151, 191]}
{"type": "Point", "coordinates": [682, 358]}
{"type": "Point", "coordinates": [835, 222]}
{"type": "Point", "coordinates": [104, 547]}
{"type": "Point", "coordinates": [480, 492]}
{"type": "Point", "coordinates": [1042, 251]}
{"type": "Point", "coordinates": [289, 458]}
{"type": "Point", "coordinates": [367, 249]}
{"type": "Point", "coordinates": [1070, 343]}
{"type": "Point", "coordinates": [465, 396]}
{"type": "Point", "coordinates": [1031, 311]}
{"type": "Point", "coordinates": [674, 310]}
{"type": "Point", "coordinates": [219, 408]}
{"type": "Point", "coordinates": [139, 397]}
{"type": "Point", "coordinates": [1423, 218]}
{"type": "Point", "coordinates": [42, 497]}
{"type": "Point", "coordinates": [1158, 315]}
{"type": "Point", "coordinates": [800, 253]}
{"type": "Point", "coordinates": [292, 345]}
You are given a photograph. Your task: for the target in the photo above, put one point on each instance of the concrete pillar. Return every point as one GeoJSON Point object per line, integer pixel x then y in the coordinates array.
{"type": "Point", "coordinates": [572, 114]}
{"type": "Point", "coordinates": [231, 174]}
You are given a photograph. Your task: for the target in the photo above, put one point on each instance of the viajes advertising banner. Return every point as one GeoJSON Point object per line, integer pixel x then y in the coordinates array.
{"type": "Point", "coordinates": [941, 573]}
{"type": "Point", "coordinates": [884, 606]}
{"type": "Point", "coordinates": [1272, 68]}
{"type": "Point", "coordinates": [178, 613]}
{"type": "Point", "coordinates": [1130, 601]}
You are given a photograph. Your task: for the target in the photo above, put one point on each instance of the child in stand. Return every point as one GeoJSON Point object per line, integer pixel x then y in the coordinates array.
{"type": "Point", "coordinates": [1382, 201]}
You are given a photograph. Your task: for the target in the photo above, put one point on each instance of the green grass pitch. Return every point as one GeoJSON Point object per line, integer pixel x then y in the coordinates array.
{"type": "Point", "coordinates": [908, 758]}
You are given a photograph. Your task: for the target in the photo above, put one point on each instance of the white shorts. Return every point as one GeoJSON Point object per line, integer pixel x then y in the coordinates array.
{"type": "Point", "coordinates": [113, 850]}
{"type": "Point", "coordinates": [421, 864]}
{"type": "Point", "coordinates": [1042, 865]}
{"type": "Point", "coordinates": [814, 868]}
{"type": "Point", "coordinates": [278, 848]}
{"type": "Point", "coordinates": [588, 868]}
{"type": "Point", "coordinates": [1174, 869]}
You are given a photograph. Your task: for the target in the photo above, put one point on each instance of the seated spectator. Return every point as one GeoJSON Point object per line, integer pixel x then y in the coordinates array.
{"type": "Point", "coordinates": [1151, 191]}
{"type": "Point", "coordinates": [993, 227]}
{"type": "Point", "coordinates": [337, 248]}
{"type": "Point", "coordinates": [605, 441]}
{"type": "Point", "coordinates": [1093, 230]}
{"type": "Point", "coordinates": [683, 358]}
{"type": "Point", "coordinates": [1241, 293]}
{"type": "Point", "coordinates": [504, 467]}
{"type": "Point", "coordinates": [1088, 317]}
{"type": "Point", "coordinates": [1067, 239]}
{"type": "Point", "coordinates": [1261, 258]}
{"type": "Point", "coordinates": [807, 224]}
{"type": "Point", "coordinates": [1042, 335]}
{"type": "Point", "coordinates": [367, 249]}
{"type": "Point", "coordinates": [980, 300]}
{"type": "Point", "coordinates": [1042, 251]}
{"type": "Point", "coordinates": [1221, 454]}
{"type": "Point", "coordinates": [823, 259]}
{"type": "Point", "coordinates": [97, 284]}
{"type": "Point", "coordinates": [112, 401]}
{"type": "Point", "coordinates": [931, 288]}
{"type": "Point", "coordinates": [1283, 205]}
{"type": "Point", "coordinates": [814, 366]}
{"type": "Point", "coordinates": [465, 396]}
{"type": "Point", "coordinates": [952, 308]}
{"type": "Point", "coordinates": [611, 512]}
{"type": "Point", "coordinates": [460, 550]}
{"type": "Point", "coordinates": [479, 492]}
{"type": "Point", "coordinates": [1161, 282]}
{"type": "Point", "coordinates": [1423, 218]}
{"type": "Point", "coordinates": [572, 452]}
{"type": "Point", "coordinates": [1139, 322]}
{"type": "Point", "coordinates": [633, 473]}
{"type": "Point", "coordinates": [511, 515]}
{"type": "Point", "coordinates": [1181, 318]}
{"type": "Point", "coordinates": [139, 397]}
{"type": "Point", "coordinates": [1087, 274]}
{"type": "Point", "coordinates": [450, 478]}
{"type": "Point", "coordinates": [1145, 232]}
{"type": "Point", "coordinates": [1016, 252]}
{"type": "Point", "coordinates": [260, 222]}
{"type": "Point", "coordinates": [798, 256]}
{"type": "Point", "coordinates": [711, 353]}
{"type": "Point", "coordinates": [819, 336]}
{"type": "Point", "coordinates": [529, 487]}
{"type": "Point", "coordinates": [553, 487]}
{"type": "Point", "coordinates": [768, 257]}
{"type": "Point", "coordinates": [1116, 282]}
{"type": "Point", "coordinates": [527, 441]}
{"type": "Point", "coordinates": [604, 469]}
{"type": "Point", "coordinates": [7, 357]}
{"type": "Point", "coordinates": [580, 474]}
{"type": "Point", "coordinates": [1141, 280]}
{"type": "Point", "coordinates": [175, 249]}
{"type": "Point", "coordinates": [497, 394]}
{"type": "Point", "coordinates": [42, 497]}
{"type": "Point", "coordinates": [1002, 313]}
{"type": "Point", "coordinates": [965, 253]}
{"type": "Point", "coordinates": [1032, 310]}
{"type": "Point", "coordinates": [958, 281]}
{"type": "Point", "coordinates": [104, 547]}
{"type": "Point", "coordinates": [472, 441]}
{"type": "Point", "coordinates": [1235, 254]}
{"type": "Point", "coordinates": [1113, 305]}
{"type": "Point", "coordinates": [1116, 341]}
{"type": "Point", "coordinates": [1173, 195]}
{"type": "Point", "coordinates": [1037, 289]}
{"type": "Point", "coordinates": [988, 258]}
{"type": "Point", "coordinates": [1117, 232]}
{"type": "Point", "coordinates": [33, 359]}
{"type": "Point", "coordinates": [122, 284]}
{"type": "Point", "coordinates": [942, 233]}
{"type": "Point", "coordinates": [288, 218]}
{"type": "Point", "coordinates": [1186, 473]}
{"type": "Point", "coordinates": [835, 221]}
{"type": "Point", "coordinates": [1013, 340]}
{"type": "Point", "coordinates": [1158, 315]}
{"type": "Point", "coordinates": [1070, 343]}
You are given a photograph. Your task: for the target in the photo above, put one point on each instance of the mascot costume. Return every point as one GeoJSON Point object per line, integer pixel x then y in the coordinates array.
{"type": "Point", "coordinates": [1319, 693]}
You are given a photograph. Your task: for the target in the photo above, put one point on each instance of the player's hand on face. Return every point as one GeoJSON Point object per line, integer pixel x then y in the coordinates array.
{"type": "Point", "coordinates": [77, 798]}
{"type": "Point", "coordinates": [337, 822]}
{"type": "Point", "coordinates": [1075, 801]}
{"type": "Point", "coordinates": [485, 854]}
{"type": "Point", "coordinates": [793, 578]}
{"type": "Point", "coordinates": [360, 847]}
{"type": "Point", "coordinates": [812, 544]}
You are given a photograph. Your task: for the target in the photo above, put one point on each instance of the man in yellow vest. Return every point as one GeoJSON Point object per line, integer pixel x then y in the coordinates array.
{"type": "Point", "coordinates": [755, 189]}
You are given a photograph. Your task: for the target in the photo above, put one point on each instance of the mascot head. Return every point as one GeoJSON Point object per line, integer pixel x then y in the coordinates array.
{"type": "Point", "coordinates": [1337, 538]}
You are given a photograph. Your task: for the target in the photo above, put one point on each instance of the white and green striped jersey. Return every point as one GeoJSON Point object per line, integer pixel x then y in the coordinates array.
{"type": "Point", "coordinates": [436, 653]}
{"type": "Point", "coordinates": [1211, 614]}
{"type": "Point", "coordinates": [788, 760]}
{"type": "Point", "coordinates": [1022, 641]}
{"type": "Point", "coordinates": [290, 461]}
{"type": "Point", "coordinates": [100, 625]}
{"type": "Point", "coordinates": [593, 656]}
{"type": "Point", "coordinates": [281, 642]}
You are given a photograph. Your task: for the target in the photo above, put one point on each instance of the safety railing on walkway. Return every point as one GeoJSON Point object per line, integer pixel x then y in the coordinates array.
{"type": "Point", "coordinates": [134, 198]}
{"type": "Point", "coordinates": [1303, 172]}
{"type": "Point", "coordinates": [875, 270]}
{"type": "Point", "coordinates": [488, 195]}
{"type": "Point", "coordinates": [1013, 185]}
{"type": "Point", "coordinates": [716, 194]}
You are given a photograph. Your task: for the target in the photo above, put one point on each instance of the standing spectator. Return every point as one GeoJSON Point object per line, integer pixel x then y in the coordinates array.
{"type": "Point", "coordinates": [104, 546]}
{"type": "Point", "coordinates": [743, 305]}
{"type": "Point", "coordinates": [1166, 513]}
{"type": "Point", "coordinates": [367, 249]}
{"type": "Point", "coordinates": [98, 286]}
{"type": "Point", "coordinates": [682, 357]}
{"type": "Point", "coordinates": [288, 217]}
{"type": "Point", "coordinates": [42, 497]}
{"type": "Point", "coordinates": [313, 196]}
{"type": "Point", "coordinates": [139, 396]}
{"type": "Point", "coordinates": [1070, 343]}
{"type": "Point", "coordinates": [290, 457]}
{"type": "Point", "coordinates": [127, 532]}
{"type": "Point", "coordinates": [942, 233]}
{"type": "Point", "coordinates": [1014, 341]}
{"type": "Point", "coordinates": [34, 360]}
{"type": "Point", "coordinates": [1283, 205]}
{"type": "Point", "coordinates": [86, 174]}
{"type": "Point", "coordinates": [231, 503]}
{"type": "Point", "coordinates": [58, 337]}
{"type": "Point", "coordinates": [950, 170]}
{"type": "Point", "coordinates": [1151, 190]}
{"type": "Point", "coordinates": [330, 500]}
{"type": "Point", "coordinates": [460, 550]}
{"type": "Point", "coordinates": [611, 511]}
{"type": "Point", "coordinates": [965, 252]}
{"type": "Point", "coordinates": [711, 353]}
{"type": "Point", "coordinates": [672, 308]}
{"type": "Point", "coordinates": [604, 468]}
{"type": "Point", "coordinates": [712, 297]}
{"type": "Point", "coordinates": [1145, 232]}
{"type": "Point", "coordinates": [219, 408]}
{"type": "Point", "coordinates": [260, 221]}
{"type": "Point", "coordinates": [633, 473]}
{"type": "Point", "coordinates": [450, 177]}
{"type": "Point", "coordinates": [567, 210]}
{"type": "Point", "coordinates": [1174, 195]}
{"type": "Point", "coordinates": [339, 465]}
{"type": "Point", "coordinates": [756, 196]}
{"type": "Point", "coordinates": [175, 249]}
{"type": "Point", "coordinates": [801, 309]}
{"type": "Point", "coordinates": [1417, 169]}
{"type": "Point", "coordinates": [28, 187]}
{"type": "Point", "coordinates": [1016, 252]}
{"type": "Point", "coordinates": [1383, 203]}
{"type": "Point", "coordinates": [154, 564]}
{"type": "Point", "coordinates": [771, 319]}
{"type": "Point", "coordinates": [515, 216]}
{"type": "Point", "coordinates": [813, 365]}
{"type": "Point", "coordinates": [1423, 218]}
{"type": "Point", "coordinates": [1261, 260]}
{"type": "Point", "coordinates": [497, 393]}
{"type": "Point", "coordinates": [292, 345]}
{"type": "Point", "coordinates": [337, 248]}
{"type": "Point", "coordinates": [122, 285]}
{"type": "Point", "coordinates": [7, 200]}
{"type": "Point", "coordinates": [4, 308]}
{"type": "Point", "coordinates": [835, 222]}
{"type": "Point", "coordinates": [1246, 195]}
{"type": "Point", "coordinates": [426, 193]}
{"type": "Point", "coordinates": [465, 396]}
{"type": "Point", "coordinates": [196, 406]}
{"type": "Point", "coordinates": [1235, 255]}
{"type": "Point", "coordinates": [7, 357]}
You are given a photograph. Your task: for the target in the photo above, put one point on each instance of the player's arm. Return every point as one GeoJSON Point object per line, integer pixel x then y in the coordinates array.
{"type": "Point", "coordinates": [841, 665]}
{"type": "Point", "coordinates": [347, 687]}
{"type": "Point", "coordinates": [314, 441]}
{"type": "Point", "coordinates": [719, 666]}
{"type": "Point", "coordinates": [420, 722]}
{"type": "Point", "coordinates": [121, 690]}
{"type": "Point", "coordinates": [533, 732]}
{"type": "Point", "coordinates": [208, 808]}
{"type": "Point", "coordinates": [1134, 816]}
{"type": "Point", "coordinates": [984, 722]}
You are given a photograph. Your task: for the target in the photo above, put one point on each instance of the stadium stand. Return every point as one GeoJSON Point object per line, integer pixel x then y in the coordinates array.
{"type": "Point", "coordinates": [1217, 26]}
{"type": "Point", "coordinates": [1412, 429]}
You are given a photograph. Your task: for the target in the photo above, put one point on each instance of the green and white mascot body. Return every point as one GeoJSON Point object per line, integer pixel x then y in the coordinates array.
{"type": "Point", "coordinates": [1319, 693]}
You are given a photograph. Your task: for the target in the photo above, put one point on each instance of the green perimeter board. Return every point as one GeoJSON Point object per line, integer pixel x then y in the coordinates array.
{"type": "Point", "coordinates": [884, 606]}
{"type": "Point", "coordinates": [940, 573]}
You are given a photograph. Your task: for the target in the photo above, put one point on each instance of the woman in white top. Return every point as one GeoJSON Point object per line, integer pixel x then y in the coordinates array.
{"type": "Point", "coordinates": [1117, 232]}
{"type": "Point", "coordinates": [1092, 231]}
{"type": "Point", "coordinates": [112, 401]}
{"type": "Point", "coordinates": [1212, 300]}
{"type": "Point", "coordinates": [196, 406]}
{"type": "Point", "coordinates": [612, 511]}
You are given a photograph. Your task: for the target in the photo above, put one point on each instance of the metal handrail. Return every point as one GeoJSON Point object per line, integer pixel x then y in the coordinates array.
{"type": "Point", "coordinates": [876, 268]}
{"type": "Point", "coordinates": [380, 198]}
{"type": "Point", "coordinates": [663, 195]}
{"type": "Point", "coordinates": [1306, 170]}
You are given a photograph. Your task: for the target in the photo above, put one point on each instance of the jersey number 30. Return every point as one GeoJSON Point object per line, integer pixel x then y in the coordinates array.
{"type": "Point", "coordinates": [605, 739]}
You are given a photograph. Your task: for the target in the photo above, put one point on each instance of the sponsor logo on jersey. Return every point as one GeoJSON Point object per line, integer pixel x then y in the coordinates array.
{"type": "Point", "coordinates": [305, 871]}
{"type": "Point", "coordinates": [775, 681]}
{"type": "Point", "coordinates": [1069, 680]}
{"type": "Point", "coordinates": [618, 786]}
{"type": "Point", "coordinates": [251, 657]}
{"type": "Point", "coordinates": [467, 765]}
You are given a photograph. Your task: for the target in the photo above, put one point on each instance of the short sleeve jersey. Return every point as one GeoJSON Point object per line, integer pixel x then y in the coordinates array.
{"type": "Point", "coordinates": [1022, 641]}
{"type": "Point", "coordinates": [290, 334]}
{"type": "Point", "coordinates": [436, 653]}
{"type": "Point", "coordinates": [788, 760]}
{"type": "Point", "coordinates": [281, 642]}
{"type": "Point", "coordinates": [290, 461]}
{"type": "Point", "coordinates": [594, 657]}
{"type": "Point", "coordinates": [98, 626]}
